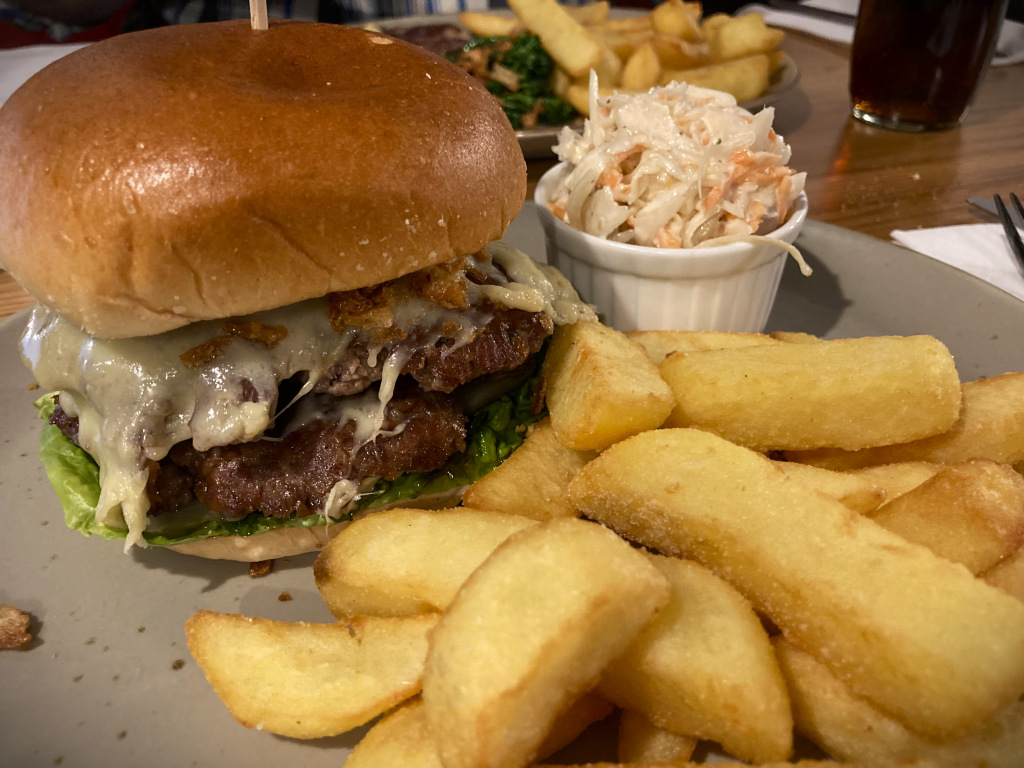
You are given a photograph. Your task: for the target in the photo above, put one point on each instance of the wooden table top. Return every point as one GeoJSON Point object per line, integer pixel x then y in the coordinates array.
{"type": "Point", "coordinates": [864, 178]}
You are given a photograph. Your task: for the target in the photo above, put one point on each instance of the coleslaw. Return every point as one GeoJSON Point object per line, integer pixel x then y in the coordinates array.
{"type": "Point", "coordinates": [675, 167]}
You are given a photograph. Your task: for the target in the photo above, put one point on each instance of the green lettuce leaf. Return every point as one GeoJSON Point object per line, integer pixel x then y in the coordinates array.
{"type": "Point", "coordinates": [494, 431]}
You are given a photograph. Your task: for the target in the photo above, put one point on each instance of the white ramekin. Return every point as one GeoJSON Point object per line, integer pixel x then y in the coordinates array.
{"type": "Point", "coordinates": [636, 287]}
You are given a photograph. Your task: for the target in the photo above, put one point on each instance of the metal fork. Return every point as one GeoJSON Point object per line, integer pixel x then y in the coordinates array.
{"type": "Point", "coordinates": [1012, 235]}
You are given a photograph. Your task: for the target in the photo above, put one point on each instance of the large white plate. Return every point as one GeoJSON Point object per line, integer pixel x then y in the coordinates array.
{"type": "Point", "coordinates": [109, 681]}
{"type": "Point", "coordinates": [538, 142]}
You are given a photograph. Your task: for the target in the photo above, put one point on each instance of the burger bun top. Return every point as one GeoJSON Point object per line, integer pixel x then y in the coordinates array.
{"type": "Point", "coordinates": [203, 171]}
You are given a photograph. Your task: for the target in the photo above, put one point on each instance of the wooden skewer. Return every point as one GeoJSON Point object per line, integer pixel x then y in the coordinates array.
{"type": "Point", "coordinates": [258, 13]}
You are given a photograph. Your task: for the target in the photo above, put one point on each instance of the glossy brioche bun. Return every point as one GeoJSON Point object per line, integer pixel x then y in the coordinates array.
{"type": "Point", "coordinates": [206, 170]}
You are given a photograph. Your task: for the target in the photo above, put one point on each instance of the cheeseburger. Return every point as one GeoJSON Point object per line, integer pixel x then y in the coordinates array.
{"type": "Point", "coordinates": [268, 299]}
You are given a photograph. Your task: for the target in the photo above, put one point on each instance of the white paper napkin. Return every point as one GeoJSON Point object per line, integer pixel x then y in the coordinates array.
{"type": "Point", "coordinates": [980, 249]}
{"type": "Point", "coordinates": [1009, 48]}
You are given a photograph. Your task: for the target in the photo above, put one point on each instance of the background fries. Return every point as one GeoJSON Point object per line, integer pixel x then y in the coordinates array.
{"type": "Point", "coordinates": [637, 52]}
{"type": "Point", "coordinates": [887, 650]}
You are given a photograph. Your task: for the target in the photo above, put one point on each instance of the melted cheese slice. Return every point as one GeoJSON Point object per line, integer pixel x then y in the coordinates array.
{"type": "Point", "coordinates": [135, 399]}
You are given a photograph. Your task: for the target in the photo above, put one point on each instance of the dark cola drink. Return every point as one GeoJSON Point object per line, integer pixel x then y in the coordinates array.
{"type": "Point", "coordinates": [917, 64]}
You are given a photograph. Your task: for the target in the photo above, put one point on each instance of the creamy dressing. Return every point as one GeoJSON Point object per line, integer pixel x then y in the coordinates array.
{"type": "Point", "coordinates": [673, 167]}
{"type": "Point", "coordinates": [135, 398]}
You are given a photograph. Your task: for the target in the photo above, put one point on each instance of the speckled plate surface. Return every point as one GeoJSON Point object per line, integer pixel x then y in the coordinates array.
{"type": "Point", "coordinates": [109, 681]}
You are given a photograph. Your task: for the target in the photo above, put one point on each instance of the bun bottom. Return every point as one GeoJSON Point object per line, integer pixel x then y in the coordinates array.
{"type": "Point", "coordinates": [288, 542]}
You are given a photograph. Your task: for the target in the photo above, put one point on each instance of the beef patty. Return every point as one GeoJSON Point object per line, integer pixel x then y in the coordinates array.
{"type": "Point", "coordinates": [294, 474]}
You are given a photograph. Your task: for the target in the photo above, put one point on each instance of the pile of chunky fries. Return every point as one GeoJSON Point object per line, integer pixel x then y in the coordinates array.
{"type": "Point", "coordinates": [730, 538]}
{"type": "Point", "coordinates": [673, 42]}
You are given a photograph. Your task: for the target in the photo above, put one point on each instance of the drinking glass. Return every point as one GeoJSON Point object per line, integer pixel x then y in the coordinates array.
{"type": "Point", "coordinates": [916, 64]}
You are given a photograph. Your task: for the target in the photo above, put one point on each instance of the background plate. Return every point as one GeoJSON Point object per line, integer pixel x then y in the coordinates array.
{"type": "Point", "coordinates": [537, 142]}
{"type": "Point", "coordinates": [109, 681]}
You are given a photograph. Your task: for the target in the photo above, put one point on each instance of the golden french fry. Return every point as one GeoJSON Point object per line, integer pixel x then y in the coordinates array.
{"type": "Point", "coordinates": [641, 70]}
{"type": "Point", "coordinates": [533, 481]}
{"type": "Point", "coordinates": [743, 79]}
{"type": "Point", "coordinates": [674, 53]}
{"type": "Point", "coordinates": [641, 741]}
{"type": "Point", "coordinates": [795, 337]}
{"type": "Point", "coordinates": [709, 25]}
{"type": "Point", "coordinates": [386, 564]}
{"type": "Point", "coordinates": [913, 633]}
{"type": "Point", "coordinates": [578, 94]}
{"type": "Point", "coordinates": [991, 426]}
{"type": "Point", "coordinates": [590, 708]}
{"type": "Point", "coordinates": [1008, 575]}
{"type": "Point", "coordinates": [741, 36]}
{"type": "Point", "coordinates": [527, 634]}
{"type": "Point", "coordinates": [560, 81]}
{"type": "Point", "coordinates": [564, 38]}
{"type": "Point", "coordinates": [677, 19]}
{"type": "Point", "coordinates": [484, 24]}
{"type": "Point", "coordinates": [309, 680]}
{"type": "Point", "coordinates": [601, 387]}
{"type": "Point", "coordinates": [971, 513]}
{"type": "Point", "coordinates": [402, 738]}
{"type": "Point", "coordinates": [850, 393]}
{"type": "Point", "coordinates": [855, 493]}
{"type": "Point", "coordinates": [661, 344]}
{"type": "Point", "coordinates": [622, 43]}
{"type": "Point", "coordinates": [896, 479]}
{"type": "Point", "coordinates": [851, 729]}
{"type": "Point", "coordinates": [608, 68]}
{"type": "Point", "coordinates": [639, 23]}
{"type": "Point", "coordinates": [705, 667]}
{"type": "Point", "coordinates": [589, 13]}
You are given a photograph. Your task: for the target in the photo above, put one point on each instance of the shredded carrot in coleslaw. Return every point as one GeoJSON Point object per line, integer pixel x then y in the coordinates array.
{"type": "Point", "coordinates": [674, 167]}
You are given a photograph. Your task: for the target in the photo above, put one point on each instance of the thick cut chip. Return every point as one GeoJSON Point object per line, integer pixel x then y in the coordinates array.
{"type": "Point", "coordinates": [1008, 575]}
{"type": "Point", "coordinates": [705, 667]}
{"type": "Point", "coordinates": [991, 426]}
{"type": "Point", "coordinates": [896, 479]}
{"type": "Point", "coordinates": [533, 481]}
{"type": "Point", "coordinates": [677, 19]}
{"type": "Point", "coordinates": [641, 741]}
{"type": "Point", "coordinates": [641, 70]}
{"type": "Point", "coordinates": [601, 387]}
{"type": "Point", "coordinates": [743, 35]}
{"type": "Point", "coordinates": [915, 634]}
{"type": "Point", "coordinates": [402, 739]}
{"type": "Point", "coordinates": [309, 680]}
{"type": "Point", "coordinates": [971, 513]}
{"type": "Point", "coordinates": [743, 79]}
{"type": "Point", "coordinates": [847, 393]}
{"type": "Point", "coordinates": [528, 634]}
{"type": "Point", "coordinates": [795, 337]}
{"type": "Point", "coordinates": [850, 729]}
{"type": "Point", "coordinates": [856, 493]}
{"type": "Point", "coordinates": [404, 562]}
{"type": "Point", "coordinates": [564, 38]}
{"type": "Point", "coordinates": [489, 24]}
{"type": "Point", "coordinates": [660, 344]}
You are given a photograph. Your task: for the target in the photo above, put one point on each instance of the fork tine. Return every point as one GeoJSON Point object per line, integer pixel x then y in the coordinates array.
{"type": "Point", "coordinates": [1012, 235]}
{"type": "Point", "coordinates": [1017, 207]}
